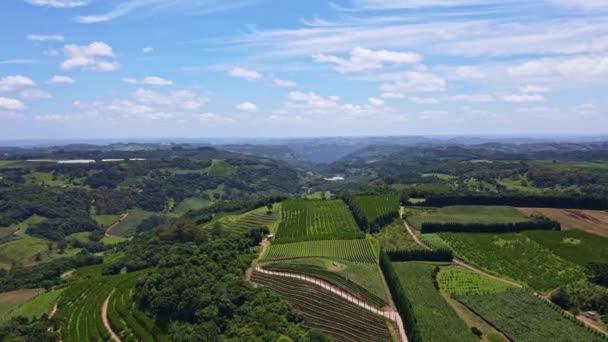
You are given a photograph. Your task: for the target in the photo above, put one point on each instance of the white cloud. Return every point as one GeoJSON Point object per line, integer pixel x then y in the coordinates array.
{"type": "Point", "coordinates": [423, 100]}
{"type": "Point", "coordinates": [45, 38]}
{"type": "Point", "coordinates": [247, 107]}
{"type": "Point", "coordinates": [147, 49]}
{"type": "Point", "coordinates": [249, 75]}
{"type": "Point", "coordinates": [129, 80]}
{"type": "Point", "coordinates": [34, 94]}
{"type": "Point", "coordinates": [473, 98]}
{"type": "Point", "coordinates": [284, 83]}
{"type": "Point", "coordinates": [580, 67]}
{"type": "Point", "coordinates": [11, 104]}
{"type": "Point", "coordinates": [392, 96]}
{"type": "Point", "coordinates": [297, 99]}
{"type": "Point", "coordinates": [16, 82]}
{"type": "Point", "coordinates": [19, 61]}
{"type": "Point", "coordinates": [61, 79]}
{"type": "Point", "coordinates": [50, 118]}
{"type": "Point", "coordinates": [365, 59]}
{"type": "Point", "coordinates": [523, 98]}
{"type": "Point", "coordinates": [375, 101]}
{"type": "Point", "coordinates": [155, 80]}
{"type": "Point", "coordinates": [57, 3]}
{"type": "Point", "coordinates": [584, 4]}
{"type": "Point", "coordinates": [183, 99]}
{"type": "Point", "coordinates": [212, 117]}
{"type": "Point", "coordinates": [97, 56]}
{"type": "Point", "coordinates": [469, 72]}
{"type": "Point", "coordinates": [534, 89]}
{"type": "Point", "coordinates": [415, 82]}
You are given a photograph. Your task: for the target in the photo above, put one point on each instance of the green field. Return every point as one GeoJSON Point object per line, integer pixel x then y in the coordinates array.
{"type": "Point", "coordinates": [469, 214]}
{"type": "Point", "coordinates": [442, 176]}
{"type": "Point", "coordinates": [395, 237]}
{"type": "Point", "coordinates": [515, 256]}
{"type": "Point", "coordinates": [376, 206]}
{"type": "Point", "coordinates": [521, 316]}
{"type": "Point", "coordinates": [126, 227]}
{"type": "Point", "coordinates": [338, 318]}
{"type": "Point", "coordinates": [249, 220]}
{"type": "Point", "coordinates": [221, 168]}
{"type": "Point", "coordinates": [435, 241]}
{"type": "Point", "coordinates": [360, 250]}
{"type": "Point", "coordinates": [192, 203]}
{"type": "Point", "coordinates": [105, 221]}
{"type": "Point", "coordinates": [459, 281]}
{"type": "Point", "coordinates": [309, 220]}
{"type": "Point", "coordinates": [36, 307]}
{"type": "Point", "coordinates": [360, 280]}
{"type": "Point", "coordinates": [436, 319]}
{"type": "Point", "coordinates": [573, 245]}
{"type": "Point", "coordinates": [10, 300]}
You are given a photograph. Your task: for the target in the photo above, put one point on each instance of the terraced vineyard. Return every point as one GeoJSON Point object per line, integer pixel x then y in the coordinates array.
{"type": "Point", "coordinates": [336, 317]}
{"type": "Point", "coordinates": [458, 281]}
{"type": "Point", "coordinates": [353, 250]}
{"type": "Point", "coordinates": [334, 278]}
{"type": "Point", "coordinates": [250, 220]}
{"type": "Point", "coordinates": [310, 220]}
{"type": "Point", "coordinates": [376, 206]}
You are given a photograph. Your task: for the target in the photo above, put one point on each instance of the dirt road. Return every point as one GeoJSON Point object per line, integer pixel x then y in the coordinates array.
{"type": "Point", "coordinates": [104, 318]}
{"type": "Point", "coordinates": [122, 218]}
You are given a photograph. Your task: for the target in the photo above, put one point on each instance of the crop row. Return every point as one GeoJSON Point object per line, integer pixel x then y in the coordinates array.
{"type": "Point", "coordinates": [461, 281]}
{"type": "Point", "coordinates": [338, 318]}
{"type": "Point", "coordinates": [376, 206]}
{"type": "Point", "coordinates": [353, 250]}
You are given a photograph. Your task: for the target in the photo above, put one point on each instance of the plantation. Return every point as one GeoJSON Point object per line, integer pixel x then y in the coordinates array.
{"type": "Point", "coordinates": [454, 280]}
{"type": "Point", "coordinates": [250, 220]}
{"type": "Point", "coordinates": [309, 220]}
{"type": "Point", "coordinates": [395, 237]}
{"type": "Point", "coordinates": [336, 317]}
{"type": "Point", "coordinates": [353, 250]}
{"type": "Point", "coordinates": [127, 226]}
{"type": "Point", "coordinates": [377, 206]}
{"type": "Point", "coordinates": [435, 241]}
{"type": "Point", "coordinates": [429, 307]}
{"type": "Point", "coordinates": [573, 245]}
{"type": "Point", "coordinates": [360, 280]}
{"type": "Point", "coordinates": [469, 214]}
{"type": "Point", "coordinates": [521, 316]}
{"type": "Point", "coordinates": [516, 256]}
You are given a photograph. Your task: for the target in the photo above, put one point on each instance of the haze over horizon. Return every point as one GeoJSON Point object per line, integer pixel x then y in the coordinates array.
{"type": "Point", "coordinates": [75, 69]}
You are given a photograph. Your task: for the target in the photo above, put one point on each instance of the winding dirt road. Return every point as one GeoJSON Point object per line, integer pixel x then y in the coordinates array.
{"type": "Point", "coordinates": [104, 318]}
{"type": "Point", "coordinates": [124, 216]}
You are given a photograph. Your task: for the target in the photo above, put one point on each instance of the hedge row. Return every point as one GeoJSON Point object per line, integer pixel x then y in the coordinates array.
{"type": "Point", "coordinates": [518, 200]}
{"type": "Point", "coordinates": [420, 255]}
{"type": "Point", "coordinates": [539, 223]}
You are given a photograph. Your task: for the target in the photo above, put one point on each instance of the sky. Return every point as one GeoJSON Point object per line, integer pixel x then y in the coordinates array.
{"type": "Point", "coordinates": [298, 68]}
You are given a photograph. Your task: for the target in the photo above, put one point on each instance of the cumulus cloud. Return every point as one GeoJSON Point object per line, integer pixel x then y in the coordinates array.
{"type": "Point", "coordinates": [249, 75]}
{"type": "Point", "coordinates": [61, 79]}
{"type": "Point", "coordinates": [469, 72]}
{"type": "Point", "coordinates": [148, 80]}
{"type": "Point", "coordinates": [523, 98]}
{"type": "Point", "coordinates": [16, 82]}
{"type": "Point", "coordinates": [97, 56]}
{"type": "Point", "coordinates": [45, 38]}
{"type": "Point", "coordinates": [147, 49]}
{"type": "Point", "coordinates": [365, 59]}
{"type": "Point", "coordinates": [415, 82]}
{"type": "Point", "coordinates": [57, 3]}
{"type": "Point", "coordinates": [375, 101]}
{"type": "Point", "coordinates": [283, 83]}
{"type": "Point", "coordinates": [34, 94]}
{"type": "Point", "coordinates": [11, 104]}
{"type": "Point", "coordinates": [247, 107]}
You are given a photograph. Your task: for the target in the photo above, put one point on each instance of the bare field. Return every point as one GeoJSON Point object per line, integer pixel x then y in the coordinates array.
{"type": "Point", "coordinates": [590, 221]}
{"type": "Point", "coordinates": [10, 300]}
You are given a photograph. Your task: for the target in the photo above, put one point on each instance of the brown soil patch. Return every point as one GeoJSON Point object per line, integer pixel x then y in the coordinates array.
{"type": "Point", "coordinates": [18, 297]}
{"type": "Point", "coordinates": [590, 221]}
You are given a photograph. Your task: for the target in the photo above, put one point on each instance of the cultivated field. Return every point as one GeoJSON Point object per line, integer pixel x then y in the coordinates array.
{"type": "Point", "coordinates": [573, 245]}
{"type": "Point", "coordinates": [515, 256]}
{"type": "Point", "coordinates": [250, 220]}
{"type": "Point", "coordinates": [308, 220]}
{"type": "Point", "coordinates": [436, 319]}
{"type": "Point", "coordinates": [591, 221]}
{"type": "Point", "coordinates": [35, 307]}
{"type": "Point", "coordinates": [469, 214]}
{"type": "Point", "coordinates": [127, 226]}
{"type": "Point", "coordinates": [11, 300]}
{"type": "Point", "coordinates": [192, 203]}
{"type": "Point", "coordinates": [336, 317]}
{"type": "Point", "coordinates": [394, 237]}
{"type": "Point", "coordinates": [360, 250]}
{"type": "Point", "coordinates": [376, 206]}
{"type": "Point", "coordinates": [456, 280]}
{"type": "Point", "coordinates": [521, 316]}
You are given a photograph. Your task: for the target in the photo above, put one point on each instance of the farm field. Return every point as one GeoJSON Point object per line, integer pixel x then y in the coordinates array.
{"type": "Point", "coordinates": [521, 316]}
{"type": "Point", "coordinates": [126, 227]}
{"type": "Point", "coordinates": [105, 221]}
{"type": "Point", "coordinates": [220, 168]}
{"type": "Point", "coordinates": [360, 280]}
{"type": "Point", "coordinates": [430, 308]}
{"type": "Point", "coordinates": [435, 241]}
{"type": "Point", "coordinates": [352, 250]}
{"type": "Point", "coordinates": [35, 307]}
{"type": "Point", "coordinates": [309, 220]}
{"type": "Point", "coordinates": [515, 256]}
{"type": "Point", "coordinates": [573, 245]}
{"type": "Point", "coordinates": [394, 237]}
{"type": "Point", "coordinates": [336, 317]}
{"type": "Point", "coordinates": [376, 206]}
{"type": "Point", "coordinates": [192, 203]}
{"type": "Point", "coordinates": [11, 300]}
{"type": "Point", "coordinates": [250, 220]}
{"type": "Point", "coordinates": [590, 221]}
{"type": "Point", "coordinates": [458, 281]}
{"type": "Point", "coordinates": [469, 214]}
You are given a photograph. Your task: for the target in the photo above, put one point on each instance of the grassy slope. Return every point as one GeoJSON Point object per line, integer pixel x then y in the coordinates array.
{"type": "Point", "coordinates": [11, 300]}
{"type": "Point", "coordinates": [470, 214]}
{"type": "Point", "coordinates": [127, 226]}
{"type": "Point", "coordinates": [105, 220]}
{"type": "Point", "coordinates": [193, 203]}
{"type": "Point", "coordinates": [394, 237]}
{"type": "Point", "coordinates": [36, 307]}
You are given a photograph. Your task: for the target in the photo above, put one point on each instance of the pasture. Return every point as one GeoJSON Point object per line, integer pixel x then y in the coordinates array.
{"type": "Point", "coordinates": [465, 214]}
{"type": "Point", "coordinates": [515, 256]}
{"type": "Point", "coordinates": [336, 317]}
{"type": "Point", "coordinates": [522, 316]}
{"type": "Point", "coordinates": [430, 308]}
{"type": "Point", "coordinates": [309, 220]}
{"type": "Point", "coordinates": [126, 227]}
{"type": "Point", "coordinates": [573, 245]}
{"type": "Point", "coordinates": [457, 280]}
{"type": "Point", "coordinates": [360, 250]}
{"type": "Point", "coordinates": [590, 221]}
{"type": "Point", "coordinates": [376, 206]}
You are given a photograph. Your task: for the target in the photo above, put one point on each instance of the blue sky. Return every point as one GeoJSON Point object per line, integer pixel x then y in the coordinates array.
{"type": "Point", "coordinates": [286, 68]}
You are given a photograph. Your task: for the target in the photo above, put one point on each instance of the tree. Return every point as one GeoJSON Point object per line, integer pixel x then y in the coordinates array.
{"type": "Point", "coordinates": [217, 230]}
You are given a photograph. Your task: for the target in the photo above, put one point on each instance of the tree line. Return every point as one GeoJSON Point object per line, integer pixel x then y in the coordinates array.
{"type": "Point", "coordinates": [442, 254]}
{"type": "Point", "coordinates": [535, 224]}
{"type": "Point", "coordinates": [571, 201]}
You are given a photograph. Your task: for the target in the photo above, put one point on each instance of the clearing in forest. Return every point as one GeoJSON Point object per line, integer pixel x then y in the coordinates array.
{"type": "Point", "coordinates": [590, 221]}
{"type": "Point", "coordinates": [309, 220]}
